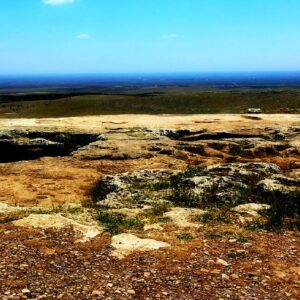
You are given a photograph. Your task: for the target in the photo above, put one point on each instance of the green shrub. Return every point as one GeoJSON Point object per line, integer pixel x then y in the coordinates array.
{"type": "Point", "coordinates": [188, 173]}
{"type": "Point", "coordinates": [8, 219]}
{"type": "Point", "coordinates": [182, 190]}
{"type": "Point", "coordinates": [243, 239]}
{"type": "Point", "coordinates": [116, 223]}
{"type": "Point", "coordinates": [161, 185]}
{"type": "Point", "coordinates": [255, 226]}
{"type": "Point", "coordinates": [158, 209]}
{"type": "Point", "coordinates": [215, 217]}
{"type": "Point", "coordinates": [185, 237]}
{"type": "Point", "coordinates": [182, 196]}
{"type": "Point", "coordinates": [282, 205]}
{"type": "Point", "coordinates": [164, 220]}
{"type": "Point", "coordinates": [236, 255]}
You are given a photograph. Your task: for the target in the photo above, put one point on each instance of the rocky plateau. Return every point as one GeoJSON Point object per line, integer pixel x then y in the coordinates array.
{"type": "Point", "coordinates": [150, 207]}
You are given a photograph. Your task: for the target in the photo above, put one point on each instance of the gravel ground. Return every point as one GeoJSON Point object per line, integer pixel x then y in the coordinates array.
{"type": "Point", "coordinates": [38, 264]}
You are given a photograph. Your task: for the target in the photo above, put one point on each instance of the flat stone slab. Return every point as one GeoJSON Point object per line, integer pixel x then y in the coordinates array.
{"type": "Point", "coordinates": [126, 244]}
{"type": "Point", "coordinates": [251, 208]}
{"type": "Point", "coordinates": [58, 221]}
{"type": "Point", "coordinates": [182, 216]}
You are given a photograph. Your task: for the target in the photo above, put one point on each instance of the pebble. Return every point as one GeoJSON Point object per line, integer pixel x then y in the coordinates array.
{"type": "Point", "coordinates": [234, 276]}
{"type": "Point", "coordinates": [23, 266]}
{"type": "Point", "coordinates": [222, 262]}
{"type": "Point", "coordinates": [147, 274]}
{"type": "Point", "coordinates": [97, 293]}
{"type": "Point", "coordinates": [225, 277]}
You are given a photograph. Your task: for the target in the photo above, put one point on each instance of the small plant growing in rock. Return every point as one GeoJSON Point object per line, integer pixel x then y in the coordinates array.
{"type": "Point", "coordinates": [181, 192]}
{"type": "Point", "coordinates": [215, 217]}
{"type": "Point", "coordinates": [164, 220]}
{"type": "Point", "coordinates": [159, 186]}
{"type": "Point", "coordinates": [137, 197]}
{"type": "Point", "coordinates": [116, 223]}
{"type": "Point", "coordinates": [185, 237]}
{"type": "Point", "coordinates": [188, 173]}
{"type": "Point", "coordinates": [256, 225]}
{"type": "Point", "coordinates": [158, 209]}
{"type": "Point", "coordinates": [183, 196]}
{"type": "Point", "coordinates": [236, 255]}
{"type": "Point", "coordinates": [282, 205]}
{"type": "Point", "coordinates": [8, 219]}
{"type": "Point", "coordinates": [243, 239]}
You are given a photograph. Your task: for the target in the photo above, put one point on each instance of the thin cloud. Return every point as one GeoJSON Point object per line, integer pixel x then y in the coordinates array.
{"type": "Point", "coordinates": [170, 36]}
{"type": "Point", "coordinates": [83, 36]}
{"type": "Point", "coordinates": [58, 2]}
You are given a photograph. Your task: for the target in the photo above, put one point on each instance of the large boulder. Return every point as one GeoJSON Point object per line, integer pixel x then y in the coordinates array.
{"type": "Point", "coordinates": [112, 191]}
{"type": "Point", "coordinates": [279, 184]}
{"type": "Point", "coordinates": [229, 184]}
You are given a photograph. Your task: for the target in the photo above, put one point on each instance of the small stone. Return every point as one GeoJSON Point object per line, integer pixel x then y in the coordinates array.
{"type": "Point", "coordinates": [234, 276]}
{"type": "Point", "coordinates": [280, 274]}
{"type": "Point", "coordinates": [147, 274]}
{"type": "Point", "coordinates": [97, 293]}
{"type": "Point", "coordinates": [23, 266]}
{"type": "Point", "coordinates": [131, 292]}
{"type": "Point", "coordinates": [204, 270]}
{"type": "Point", "coordinates": [225, 277]}
{"type": "Point", "coordinates": [295, 270]}
{"type": "Point", "coordinates": [222, 262]}
{"type": "Point", "coordinates": [26, 291]}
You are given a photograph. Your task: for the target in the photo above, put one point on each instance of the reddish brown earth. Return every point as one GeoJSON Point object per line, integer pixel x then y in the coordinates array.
{"type": "Point", "coordinates": [51, 266]}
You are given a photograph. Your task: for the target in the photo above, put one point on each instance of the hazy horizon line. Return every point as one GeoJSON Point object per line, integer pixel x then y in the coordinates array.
{"type": "Point", "coordinates": [150, 73]}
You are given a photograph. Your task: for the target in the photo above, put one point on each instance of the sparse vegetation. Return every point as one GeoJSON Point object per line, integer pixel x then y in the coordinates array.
{"type": "Point", "coordinates": [182, 194]}
{"type": "Point", "coordinates": [235, 255]}
{"type": "Point", "coordinates": [243, 239]}
{"type": "Point", "coordinates": [215, 217]}
{"type": "Point", "coordinates": [161, 185]}
{"type": "Point", "coordinates": [116, 223]}
{"type": "Point", "coordinates": [158, 209]}
{"type": "Point", "coordinates": [164, 220]}
{"type": "Point", "coordinates": [8, 219]}
{"type": "Point", "coordinates": [197, 102]}
{"type": "Point", "coordinates": [185, 237]}
{"type": "Point", "coordinates": [256, 225]}
{"type": "Point", "coordinates": [282, 206]}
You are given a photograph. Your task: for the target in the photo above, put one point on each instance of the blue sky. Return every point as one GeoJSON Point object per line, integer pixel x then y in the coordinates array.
{"type": "Point", "coordinates": [104, 36]}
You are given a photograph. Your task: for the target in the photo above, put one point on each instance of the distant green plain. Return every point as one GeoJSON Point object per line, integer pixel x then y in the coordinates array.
{"type": "Point", "coordinates": [204, 102]}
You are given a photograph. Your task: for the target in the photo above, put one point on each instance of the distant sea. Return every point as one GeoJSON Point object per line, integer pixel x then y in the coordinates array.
{"type": "Point", "coordinates": [36, 83]}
